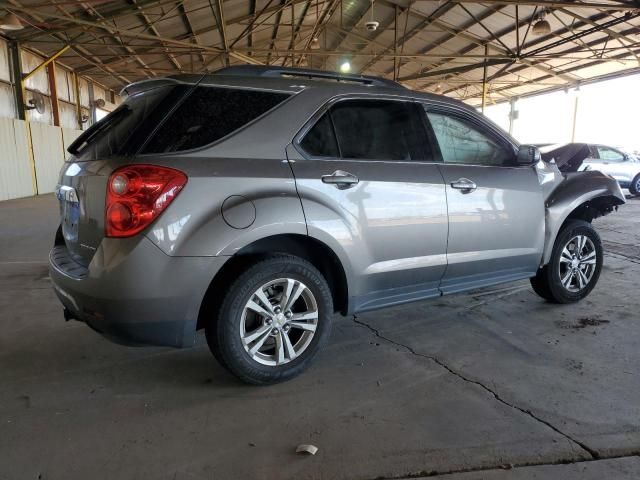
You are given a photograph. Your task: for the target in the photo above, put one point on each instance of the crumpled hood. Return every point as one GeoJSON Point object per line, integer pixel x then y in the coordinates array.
{"type": "Point", "coordinates": [567, 157]}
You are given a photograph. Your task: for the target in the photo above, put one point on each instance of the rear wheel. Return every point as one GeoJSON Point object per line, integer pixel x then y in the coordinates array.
{"type": "Point", "coordinates": [634, 188]}
{"type": "Point", "coordinates": [272, 321]}
{"type": "Point", "coordinates": [575, 265]}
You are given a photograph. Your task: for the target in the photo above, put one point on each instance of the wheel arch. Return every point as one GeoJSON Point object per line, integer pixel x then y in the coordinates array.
{"type": "Point", "coordinates": [314, 251]}
{"type": "Point", "coordinates": [581, 209]}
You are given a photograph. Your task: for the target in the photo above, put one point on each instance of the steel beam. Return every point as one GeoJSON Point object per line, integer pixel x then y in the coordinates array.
{"type": "Point", "coordinates": [619, 6]}
{"type": "Point", "coordinates": [425, 22]}
{"type": "Point", "coordinates": [16, 67]}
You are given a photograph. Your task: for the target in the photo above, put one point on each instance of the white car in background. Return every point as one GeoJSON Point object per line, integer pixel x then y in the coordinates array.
{"type": "Point", "coordinates": [616, 162]}
{"type": "Point", "coordinates": [621, 165]}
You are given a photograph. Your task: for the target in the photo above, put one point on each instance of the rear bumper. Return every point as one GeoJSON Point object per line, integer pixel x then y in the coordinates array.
{"type": "Point", "coordinates": [133, 293]}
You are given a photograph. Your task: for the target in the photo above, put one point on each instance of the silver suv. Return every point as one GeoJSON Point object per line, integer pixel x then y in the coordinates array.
{"type": "Point", "coordinates": [255, 202]}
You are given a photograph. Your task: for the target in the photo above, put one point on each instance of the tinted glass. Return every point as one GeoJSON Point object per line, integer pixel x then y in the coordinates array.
{"type": "Point", "coordinates": [610, 155]}
{"type": "Point", "coordinates": [320, 141]}
{"type": "Point", "coordinates": [208, 114]}
{"type": "Point", "coordinates": [461, 142]}
{"type": "Point", "coordinates": [114, 134]}
{"type": "Point", "coordinates": [377, 130]}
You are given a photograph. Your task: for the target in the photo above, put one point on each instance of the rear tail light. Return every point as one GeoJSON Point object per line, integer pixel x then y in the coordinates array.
{"type": "Point", "coordinates": [137, 194]}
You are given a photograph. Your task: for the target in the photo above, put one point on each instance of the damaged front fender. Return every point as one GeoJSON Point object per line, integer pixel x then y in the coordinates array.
{"type": "Point", "coordinates": [582, 195]}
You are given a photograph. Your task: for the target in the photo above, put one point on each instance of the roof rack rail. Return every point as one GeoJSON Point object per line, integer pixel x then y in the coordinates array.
{"type": "Point", "coordinates": [283, 72]}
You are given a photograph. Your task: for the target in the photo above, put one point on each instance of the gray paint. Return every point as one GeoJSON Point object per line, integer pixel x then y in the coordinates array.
{"type": "Point", "coordinates": [402, 233]}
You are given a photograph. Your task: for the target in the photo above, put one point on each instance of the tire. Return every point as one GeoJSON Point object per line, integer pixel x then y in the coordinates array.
{"type": "Point", "coordinates": [580, 275]}
{"type": "Point", "coordinates": [634, 188]}
{"type": "Point", "coordinates": [270, 357]}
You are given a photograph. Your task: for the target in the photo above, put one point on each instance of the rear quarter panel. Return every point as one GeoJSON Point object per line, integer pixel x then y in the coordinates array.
{"type": "Point", "coordinates": [264, 203]}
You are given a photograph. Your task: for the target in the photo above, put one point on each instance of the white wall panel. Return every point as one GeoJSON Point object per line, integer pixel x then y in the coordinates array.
{"type": "Point", "coordinates": [99, 92]}
{"type": "Point", "coordinates": [38, 81]}
{"type": "Point", "coordinates": [15, 170]}
{"type": "Point", "coordinates": [5, 64]}
{"type": "Point", "coordinates": [84, 92]}
{"type": "Point", "coordinates": [68, 115]}
{"type": "Point", "coordinates": [68, 137]}
{"type": "Point", "coordinates": [48, 153]}
{"type": "Point", "coordinates": [7, 102]}
{"type": "Point", "coordinates": [64, 84]}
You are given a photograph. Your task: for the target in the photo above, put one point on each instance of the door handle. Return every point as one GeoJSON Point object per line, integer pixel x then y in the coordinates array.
{"type": "Point", "coordinates": [464, 185]}
{"type": "Point", "coordinates": [340, 179]}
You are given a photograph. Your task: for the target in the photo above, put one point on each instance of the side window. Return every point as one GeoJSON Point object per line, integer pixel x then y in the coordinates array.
{"type": "Point", "coordinates": [320, 141]}
{"type": "Point", "coordinates": [610, 155]}
{"type": "Point", "coordinates": [461, 142]}
{"type": "Point", "coordinates": [378, 130]}
{"type": "Point", "coordinates": [208, 114]}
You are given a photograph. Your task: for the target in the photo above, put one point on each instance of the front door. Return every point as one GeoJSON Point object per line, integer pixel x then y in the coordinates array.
{"type": "Point", "coordinates": [371, 191]}
{"type": "Point", "coordinates": [496, 210]}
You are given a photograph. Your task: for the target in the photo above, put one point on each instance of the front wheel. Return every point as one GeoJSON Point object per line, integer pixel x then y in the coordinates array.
{"type": "Point", "coordinates": [272, 321]}
{"type": "Point", "coordinates": [575, 265]}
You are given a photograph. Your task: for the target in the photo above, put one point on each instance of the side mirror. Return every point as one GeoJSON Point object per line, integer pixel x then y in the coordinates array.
{"type": "Point", "coordinates": [528, 155]}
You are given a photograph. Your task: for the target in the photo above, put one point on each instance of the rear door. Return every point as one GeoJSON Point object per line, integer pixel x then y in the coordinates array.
{"type": "Point", "coordinates": [371, 190]}
{"type": "Point", "coordinates": [496, 210]}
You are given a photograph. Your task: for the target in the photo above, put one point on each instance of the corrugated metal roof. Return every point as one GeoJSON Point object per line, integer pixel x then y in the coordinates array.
{"type": "Point", "coordinates": [436, 46]}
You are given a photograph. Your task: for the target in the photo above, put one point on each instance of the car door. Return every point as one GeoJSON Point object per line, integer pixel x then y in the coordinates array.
{"type": "Point", "coordinates": [496, 210]}
{"type": "Point", "coordinates": [614, 163]}
{"type": "Point", "coordinates": [370, 190]}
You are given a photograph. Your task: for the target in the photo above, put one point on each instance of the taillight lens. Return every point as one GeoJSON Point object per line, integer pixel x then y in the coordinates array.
{"type": "Point", "coordinates": [137, 194]}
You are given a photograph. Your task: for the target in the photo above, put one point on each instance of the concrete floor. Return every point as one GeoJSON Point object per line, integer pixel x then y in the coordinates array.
{"type": "Point", "coordinates": [492, 385]}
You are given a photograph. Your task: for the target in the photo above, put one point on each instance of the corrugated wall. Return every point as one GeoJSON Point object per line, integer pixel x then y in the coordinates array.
{"type": "Point", "coordinates": [49, 145]}
{"type": "Point", "coordinates": [48, 155]}
{"type": "Point", "coordinates": [15, 167]}
{"type": "Point", "coordinates": [68, 137]}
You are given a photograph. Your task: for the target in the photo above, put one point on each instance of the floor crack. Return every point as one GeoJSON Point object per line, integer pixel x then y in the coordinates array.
{"type": "Point", "coordinates": [594, 454]}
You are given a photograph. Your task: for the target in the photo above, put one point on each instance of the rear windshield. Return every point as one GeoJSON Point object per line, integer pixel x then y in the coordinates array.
{"type": "Point", "coordinates": [123, 130]}
{"type": "Point", "coordinates": [209, 114]}
{"type": "Point", "coordinates": [176, 118]}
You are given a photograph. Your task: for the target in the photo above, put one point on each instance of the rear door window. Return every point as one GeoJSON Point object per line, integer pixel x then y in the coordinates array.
{"type": "Point", "coordinates": [377, 130]}
{"type": "Point", "coordinates": [209, 114]}
{"type": "Point", "coordinates": [369, 130]}
{"type": "Point", "coordinates": [320, 141]}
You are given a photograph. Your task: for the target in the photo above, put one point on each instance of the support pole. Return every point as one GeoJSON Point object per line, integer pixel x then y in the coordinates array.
{"type": "Point", "coordinates": [512, 114]}
{"type": "Point", "coordinates": [53, 91]}
{"type": "Point", "coordinates": [16, 67]}
{"type": "Point", "coordinates": [575, 115]}
{"type": "Point", "coordinates": [484, 78]}
{"type": "Point", "coordinates": [92, 105]}
{"type": "Point", "coordinates": [76, 88]}
{"type": "Point", "coordinates": [395, 44]}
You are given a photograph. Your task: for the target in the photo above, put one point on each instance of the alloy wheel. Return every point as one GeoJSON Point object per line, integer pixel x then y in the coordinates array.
{"type": "Point", "coordinates": [577, 263]}
{"type": "Point", "coordinates": [279, 321]}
